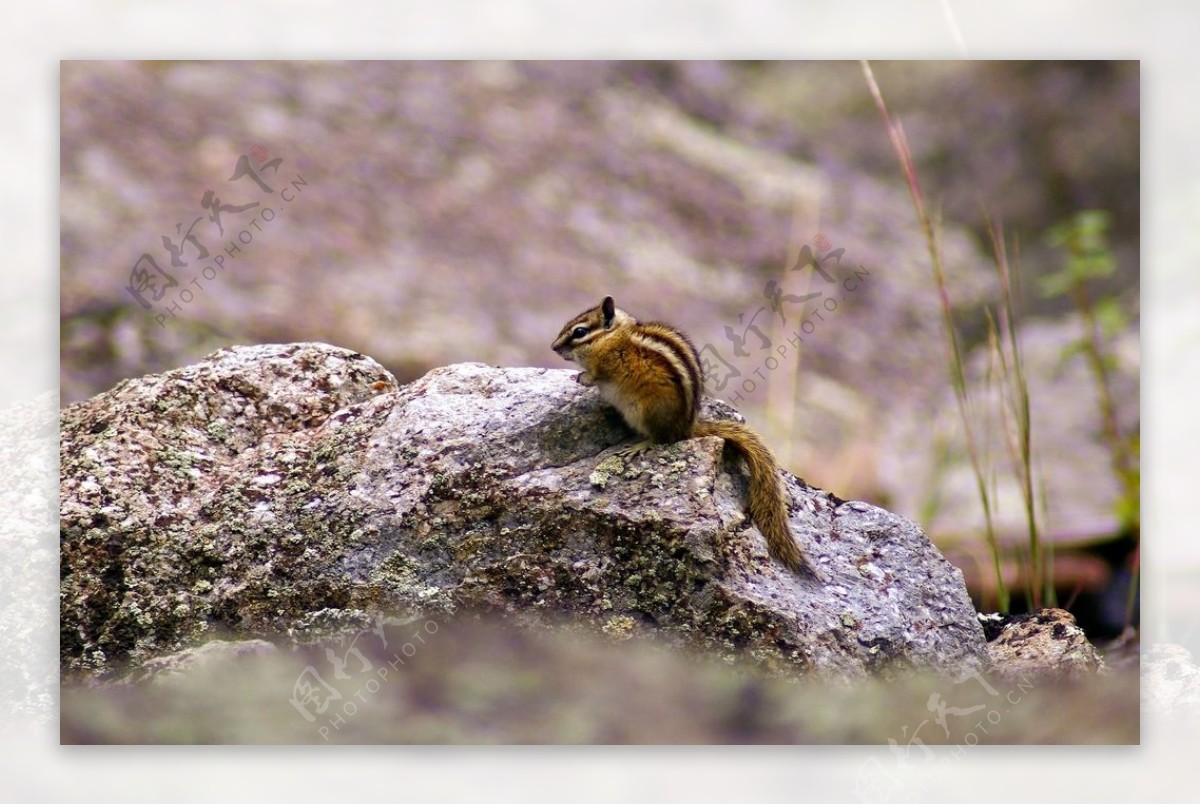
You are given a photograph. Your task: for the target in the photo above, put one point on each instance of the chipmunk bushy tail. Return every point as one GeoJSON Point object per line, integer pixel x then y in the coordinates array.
{"type": "Point", "coordinates": [768, 508]}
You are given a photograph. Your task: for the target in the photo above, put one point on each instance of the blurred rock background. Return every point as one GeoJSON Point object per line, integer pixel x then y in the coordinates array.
{"type": "Point", "coordinates": [428, 213]}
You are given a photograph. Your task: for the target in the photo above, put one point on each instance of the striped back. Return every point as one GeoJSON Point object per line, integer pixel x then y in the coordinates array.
{"type": "Point", "coordinates": [675, 352]}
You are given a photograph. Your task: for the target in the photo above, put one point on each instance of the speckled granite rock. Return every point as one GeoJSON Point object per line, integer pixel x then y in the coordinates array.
{"type": "Point", "coordinates": [1043, 645]}
{"type": "Point", "coordinates": [264, 484]}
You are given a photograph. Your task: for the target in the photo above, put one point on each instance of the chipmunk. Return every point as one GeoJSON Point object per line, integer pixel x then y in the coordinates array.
{"type": "Point", "coordinates": [650, 372]}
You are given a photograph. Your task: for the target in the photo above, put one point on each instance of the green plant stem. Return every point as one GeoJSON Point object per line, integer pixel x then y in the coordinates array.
{"type": "Point", "coordinates": [1122, 463]}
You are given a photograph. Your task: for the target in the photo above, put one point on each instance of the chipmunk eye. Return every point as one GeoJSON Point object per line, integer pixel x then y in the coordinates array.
{"type": "Point", "coordinates": [579, 332]}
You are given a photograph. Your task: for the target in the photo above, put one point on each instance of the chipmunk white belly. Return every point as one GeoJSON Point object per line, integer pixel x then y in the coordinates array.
{"type": "Point", "coordinates": [626, 405]}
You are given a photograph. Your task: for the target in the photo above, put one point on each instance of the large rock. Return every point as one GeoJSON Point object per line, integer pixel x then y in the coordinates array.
{"type": "Point", "coordinates": [268, 485]}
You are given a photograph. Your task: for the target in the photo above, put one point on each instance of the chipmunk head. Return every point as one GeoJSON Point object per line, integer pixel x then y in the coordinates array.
{"type": "Point", "coordinates": [577, 336]}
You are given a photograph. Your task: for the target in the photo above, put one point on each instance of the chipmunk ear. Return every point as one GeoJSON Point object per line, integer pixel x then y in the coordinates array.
{"type": "Point", "coordinates": [608, 309]}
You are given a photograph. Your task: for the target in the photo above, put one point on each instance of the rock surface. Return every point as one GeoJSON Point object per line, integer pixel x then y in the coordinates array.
{"type": "Point", "coordinates": [1045, 645]}
{"type": "Point", "coordinates": [265, 486]}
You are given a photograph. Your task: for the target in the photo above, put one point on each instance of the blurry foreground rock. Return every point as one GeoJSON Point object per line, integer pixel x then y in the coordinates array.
{"type": "Point", "coordinates": [264, 486]}
{"type": "Point", "coordinates": [481, 680]}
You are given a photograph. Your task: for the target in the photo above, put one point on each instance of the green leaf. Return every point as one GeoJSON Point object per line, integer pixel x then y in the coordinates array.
{"type": "Point", "coordinates": [1070, 350]}
{"type": "Point", "coordinates": [1057, 284]}
{"type": "Point", "coordinates": [1111, 317]}
{"type": "Point", "coordinates": [1084, 237]}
